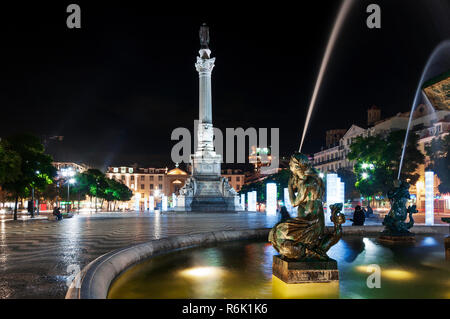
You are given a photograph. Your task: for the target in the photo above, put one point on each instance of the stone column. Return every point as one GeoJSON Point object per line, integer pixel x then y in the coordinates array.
{"type": "Point", "coordinates": [204, 67]}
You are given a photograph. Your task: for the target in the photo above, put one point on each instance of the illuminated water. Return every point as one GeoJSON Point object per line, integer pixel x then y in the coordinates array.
{"type": "Point", "coordinates": [438, 62]}
{"type": "Point", "coordinates": [343, 11]}
{"type": "Point", "coordinates": [244, 270]}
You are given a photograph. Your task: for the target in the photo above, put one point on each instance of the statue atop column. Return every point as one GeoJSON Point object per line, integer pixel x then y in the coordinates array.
{"type": "Point", "coordinates": [204, 36]}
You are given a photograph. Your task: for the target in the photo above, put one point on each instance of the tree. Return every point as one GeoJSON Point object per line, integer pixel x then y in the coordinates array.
{"type": "Point", "coordinates": [281, 179]}
{"type": "Point", "coordinates": [10, 162]}
{"type": "Point", "coordinates": [36, 170]}
{"type": "Point", "coordinates": [97, 184]}
{"type": "Point", "coordinates": [117, 191]}
{"type": "Point", "coordinates": [439, 154]}
{"type": "Point", "coordinates": [378, 159]}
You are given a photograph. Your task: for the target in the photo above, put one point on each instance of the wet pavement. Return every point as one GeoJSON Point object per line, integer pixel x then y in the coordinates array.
{"type": "Point", "coordinates": [38, 256]}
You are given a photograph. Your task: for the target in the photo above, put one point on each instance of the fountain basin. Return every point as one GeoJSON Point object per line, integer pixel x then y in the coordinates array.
{"type": "Point", "coordinates": [238, 264]}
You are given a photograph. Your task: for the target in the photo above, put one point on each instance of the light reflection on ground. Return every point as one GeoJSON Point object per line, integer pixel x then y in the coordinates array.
{"type": "Point", "coordinates": [244, 270]}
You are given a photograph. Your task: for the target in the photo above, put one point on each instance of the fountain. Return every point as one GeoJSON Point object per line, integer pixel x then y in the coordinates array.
{"type": "Point", "coordinates": [396, 229]}
{"type": "Point", "coordinates": [439, 60]}
{"type": "Point", "coordinates": [302, 241]}
{"type": "Point", "coordinates": [343, 11]}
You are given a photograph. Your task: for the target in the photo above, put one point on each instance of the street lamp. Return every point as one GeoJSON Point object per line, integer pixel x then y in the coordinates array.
{"type": "Point", "coordinates": [32, 195]}
{"type": "Point", "coordinates": [70, 181]}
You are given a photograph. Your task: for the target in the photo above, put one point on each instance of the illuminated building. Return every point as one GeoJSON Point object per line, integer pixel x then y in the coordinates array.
{"type": "Point", "coordinates": [162, 181]}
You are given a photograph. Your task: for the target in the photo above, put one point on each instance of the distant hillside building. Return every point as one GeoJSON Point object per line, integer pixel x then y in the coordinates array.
{"type": "Point", "coordinates": [333, 137]}
{"type": "Point", "coordinates": [373, 115]}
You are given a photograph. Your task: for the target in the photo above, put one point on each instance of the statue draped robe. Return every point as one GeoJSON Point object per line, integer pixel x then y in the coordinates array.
{"type": "Point", "coordinates": [300, 237]}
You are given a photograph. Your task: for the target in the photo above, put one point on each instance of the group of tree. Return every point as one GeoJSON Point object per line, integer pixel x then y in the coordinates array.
{"type": "Point", "coordinates": [378, 160]}
{"type": "Point", "coordinates": [24, 167]}
{"type": "Point", "coordinates": [281, 179]}
{"type": "Point", "coordinates": [90, 185]}
{"type": "Point", "coordinates": [96, 185]}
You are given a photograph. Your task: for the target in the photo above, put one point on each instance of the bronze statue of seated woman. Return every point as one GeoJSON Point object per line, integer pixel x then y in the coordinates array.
{"type": "Point", "coordinates": [305, 237]}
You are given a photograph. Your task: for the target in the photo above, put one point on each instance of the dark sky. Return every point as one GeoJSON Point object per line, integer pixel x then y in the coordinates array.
{"type": "Point", "coordinates": [118, 87]}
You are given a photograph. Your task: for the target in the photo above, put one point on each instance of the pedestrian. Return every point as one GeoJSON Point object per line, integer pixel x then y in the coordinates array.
{"type": "Point", "coordinates": [57, 213]}
{"type": "Point", "coordinates": [369, 210]}
{"type": "Point", "coordinates": [284, 214]}
{"type": "Point", "coordinates": [358, 217]}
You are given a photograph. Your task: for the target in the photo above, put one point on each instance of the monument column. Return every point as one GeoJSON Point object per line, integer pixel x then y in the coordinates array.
{"type": "Point", "coordinates": [206, 189]}
{"type": "Point", "coordinates": [204, 66]}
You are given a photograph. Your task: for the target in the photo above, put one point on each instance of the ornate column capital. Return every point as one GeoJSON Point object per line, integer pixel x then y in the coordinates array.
{"type": "Point", "coordinates": [205, 66]}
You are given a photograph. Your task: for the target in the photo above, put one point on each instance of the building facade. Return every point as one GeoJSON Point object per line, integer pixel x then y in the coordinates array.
{"type": "Point", "coordinates": [146, 182]}
{"type": "Point", "coordinates": [427, 123]}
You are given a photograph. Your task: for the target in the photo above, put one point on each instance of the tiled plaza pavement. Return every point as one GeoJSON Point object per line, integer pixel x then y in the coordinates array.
{"type": "Point", "coordinates": [35, 255]}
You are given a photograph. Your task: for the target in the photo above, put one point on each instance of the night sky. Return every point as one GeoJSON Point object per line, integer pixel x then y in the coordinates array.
{"type": "Point", "coordinates": [117, 87]}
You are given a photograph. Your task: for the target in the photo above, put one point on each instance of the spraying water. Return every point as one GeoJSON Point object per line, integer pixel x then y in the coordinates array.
{"type": "Point", "coordinates": [343, 11]}
{"type": "Point", "coordinates": [437, 63]}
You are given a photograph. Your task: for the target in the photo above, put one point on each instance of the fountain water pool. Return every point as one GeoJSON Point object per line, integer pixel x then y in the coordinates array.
{"type": "Point", "coordinates": [243, 269]}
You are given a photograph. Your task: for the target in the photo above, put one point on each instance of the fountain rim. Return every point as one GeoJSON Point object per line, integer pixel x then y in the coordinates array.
{"type": "Point", "coordinates": [96, 278]}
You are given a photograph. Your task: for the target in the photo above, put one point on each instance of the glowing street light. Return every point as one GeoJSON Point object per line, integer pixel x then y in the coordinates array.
{"type": "Point", "coordinates": [70, 181]}
{"type": "Point", "coordinates": [365, 175]}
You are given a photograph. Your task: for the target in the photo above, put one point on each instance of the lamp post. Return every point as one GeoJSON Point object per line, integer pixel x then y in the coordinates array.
{"type": "Point", "coordinates": [32, 196]}
{"type": "Point", "coordinates": [70, 181]}
{"type": "Point", "coordinates": [68, 173]}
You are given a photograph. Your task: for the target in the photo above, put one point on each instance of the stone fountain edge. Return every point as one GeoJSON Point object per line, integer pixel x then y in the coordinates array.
{"type": "Point", "coordinates": [95, 279]}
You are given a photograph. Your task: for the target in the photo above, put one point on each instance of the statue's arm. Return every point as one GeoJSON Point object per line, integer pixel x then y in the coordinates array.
{"type": "Point", "coordinates": [291, 191]}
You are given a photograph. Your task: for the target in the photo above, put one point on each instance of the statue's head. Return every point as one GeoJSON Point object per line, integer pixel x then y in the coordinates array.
{"type": "Point", "coordinates": [299, 164]}
{"type": "Point", "coordinates": [401, 191]}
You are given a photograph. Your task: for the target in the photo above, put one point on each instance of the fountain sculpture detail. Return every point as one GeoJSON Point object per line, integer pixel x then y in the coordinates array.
{"type": "Point", "coordinates": [396, 227]}
{"type": "Point", "coordinates": [304, 241]}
